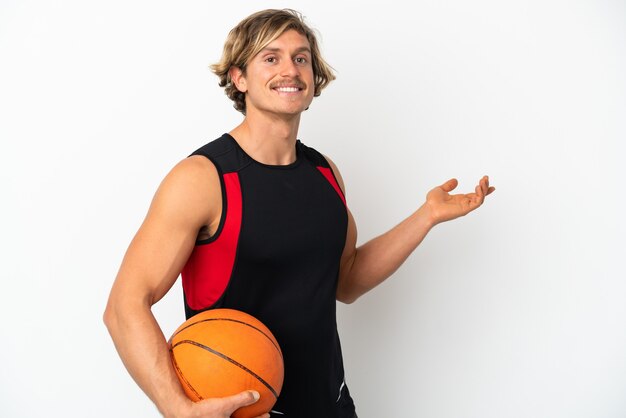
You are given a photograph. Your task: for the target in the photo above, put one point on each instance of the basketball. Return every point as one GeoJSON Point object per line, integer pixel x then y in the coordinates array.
{"type": "Point", "coordinates": [222, 352]}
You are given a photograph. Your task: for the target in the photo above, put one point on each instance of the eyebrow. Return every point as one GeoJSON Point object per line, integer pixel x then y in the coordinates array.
{"type": "Point", "coordinates": [297, 51]}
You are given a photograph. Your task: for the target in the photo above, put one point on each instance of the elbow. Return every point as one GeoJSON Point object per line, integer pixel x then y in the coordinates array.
{"type": "Point", "coordinates": [122, 308]}
{"type": "Point", "coordinates": [346, 297]}
{"type": "Point", "coordinates": [109, 317]}
{"type": "Point", "coordinates": [347, 291]}
{"type": "Point", "coordinates": [347, 301]}
{"type": "Point", "coordinates": [114, 314]}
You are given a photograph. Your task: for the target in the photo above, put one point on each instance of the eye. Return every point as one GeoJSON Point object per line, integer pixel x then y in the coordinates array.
{"type": "Point", "coordinates": [301, 60]}
{"type": "Point", "coordinates": [271, 60]}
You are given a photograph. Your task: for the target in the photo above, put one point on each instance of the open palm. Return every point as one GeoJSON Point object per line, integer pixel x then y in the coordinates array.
{"type": "Point", "coordinates": [444, 206]}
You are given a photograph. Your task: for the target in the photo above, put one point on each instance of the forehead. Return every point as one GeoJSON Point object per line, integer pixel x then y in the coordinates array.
{"type": "Point", "coordinates": [289, 41]}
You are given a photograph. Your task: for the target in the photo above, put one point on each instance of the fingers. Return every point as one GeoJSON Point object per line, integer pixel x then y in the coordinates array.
{"type": "Point", "coordinates": [482, 189]}
{"type": "Point", "coordinates": [232, 403]}
{"type": "Point", "coordinates": [470, 201]}
{"type": "Point", "coordinates": [480, 192]}
{"type": "Point", "coordinates": [450, 185]}
{"type": "Point", "coordinates": [224, 407]}
{"type": "Point", "coordinates": [484, 186]}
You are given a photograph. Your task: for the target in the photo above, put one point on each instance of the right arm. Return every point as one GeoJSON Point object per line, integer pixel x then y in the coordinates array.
{"type": "Point", "coordinates": [188, 199]}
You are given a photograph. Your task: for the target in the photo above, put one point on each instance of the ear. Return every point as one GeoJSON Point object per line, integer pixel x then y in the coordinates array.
{"type": "Point", "coordinates": [238, 78]}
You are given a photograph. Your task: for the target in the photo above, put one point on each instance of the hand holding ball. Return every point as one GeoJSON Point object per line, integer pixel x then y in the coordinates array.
{"type": "Point", "coordinates": [222, 352]}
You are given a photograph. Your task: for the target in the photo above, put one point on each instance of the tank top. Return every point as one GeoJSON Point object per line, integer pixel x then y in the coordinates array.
{"type": "Point", "coordinates": [276, 256]}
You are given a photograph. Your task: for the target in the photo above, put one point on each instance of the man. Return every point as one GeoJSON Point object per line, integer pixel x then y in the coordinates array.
{"type": "Point", "coordinates": [257, 221]}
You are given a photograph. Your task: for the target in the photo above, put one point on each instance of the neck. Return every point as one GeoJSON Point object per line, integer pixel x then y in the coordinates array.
{"type": "Point", "coordinates": [268, 140]}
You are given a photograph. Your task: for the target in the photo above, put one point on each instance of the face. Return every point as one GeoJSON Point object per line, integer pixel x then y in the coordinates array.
{"type": "Point", "coordinates": [279, 79]}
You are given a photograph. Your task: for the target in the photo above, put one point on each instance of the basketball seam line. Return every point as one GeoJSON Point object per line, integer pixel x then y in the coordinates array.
{"type": "Point", "coordinates": [180, 373]}
{"type": "Point", "coordinates": [231, 360]}
{"type": "Point", "coordinates": [231, 320]}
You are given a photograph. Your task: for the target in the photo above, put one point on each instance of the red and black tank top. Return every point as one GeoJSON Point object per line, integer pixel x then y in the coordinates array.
{"type": "Point", "coordinates": [276, 256]}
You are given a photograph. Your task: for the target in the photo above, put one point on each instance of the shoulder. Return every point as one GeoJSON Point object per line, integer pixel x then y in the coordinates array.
{"type": "Point", "coordinates": [191, 172]}
{"type": "Point", "coordinates": [314, 156]}
{"type": "Point", "coordinates": [190, 191]}
{"type": "Point", "coordinates": [322, 160]}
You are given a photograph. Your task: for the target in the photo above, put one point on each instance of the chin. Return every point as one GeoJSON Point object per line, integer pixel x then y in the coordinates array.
{"type": "Point", "coordinates": [293, 110]}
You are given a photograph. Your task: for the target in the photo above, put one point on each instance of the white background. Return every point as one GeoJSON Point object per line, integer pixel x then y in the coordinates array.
{"type": "Point", "coordinates": [517, 310]}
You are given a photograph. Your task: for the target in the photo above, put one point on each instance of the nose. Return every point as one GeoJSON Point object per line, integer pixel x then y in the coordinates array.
{"type": "Point", "coordinates": [289, 69]}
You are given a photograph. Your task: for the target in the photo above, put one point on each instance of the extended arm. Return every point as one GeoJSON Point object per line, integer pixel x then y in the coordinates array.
{"type": "Point", "coordinates": [367, 266]}
{"type": "Point", "coordinates": [149, 269]}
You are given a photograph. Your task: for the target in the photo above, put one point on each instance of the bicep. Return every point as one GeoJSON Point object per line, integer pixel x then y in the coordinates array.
{"type": "Point", "coordinates": [185, 201]}
{"type": "Point", "coordinates": [349, 250]}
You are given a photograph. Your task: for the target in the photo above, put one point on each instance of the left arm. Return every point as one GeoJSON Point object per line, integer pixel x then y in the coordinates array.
{"type": "Point", "coordinates": [367, 266]}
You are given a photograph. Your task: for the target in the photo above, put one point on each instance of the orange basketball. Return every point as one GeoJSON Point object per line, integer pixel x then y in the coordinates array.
{"type": "Point", "coordinates": [222, 352]}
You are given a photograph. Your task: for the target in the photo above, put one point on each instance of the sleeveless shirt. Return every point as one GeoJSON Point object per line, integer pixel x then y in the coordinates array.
{"type": "Point", "coordinates": [276, 256]}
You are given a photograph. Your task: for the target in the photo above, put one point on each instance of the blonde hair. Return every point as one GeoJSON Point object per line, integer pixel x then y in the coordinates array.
{"type": "Point", "coordinates": [253, 34]}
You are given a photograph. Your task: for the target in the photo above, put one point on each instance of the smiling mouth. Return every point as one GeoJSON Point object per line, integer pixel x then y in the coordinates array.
{"type": "Point", "coordinates": [288, 89]}
{"type": "Point", "coordinates": [288, 86]}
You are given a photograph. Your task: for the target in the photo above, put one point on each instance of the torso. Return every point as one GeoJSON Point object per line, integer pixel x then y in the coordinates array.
{"type": "Point", "coordinates": [274, 253]}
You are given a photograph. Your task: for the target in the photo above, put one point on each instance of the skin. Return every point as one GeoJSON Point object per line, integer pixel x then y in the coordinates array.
{"type": "Point", "coordinates": [279, 86]}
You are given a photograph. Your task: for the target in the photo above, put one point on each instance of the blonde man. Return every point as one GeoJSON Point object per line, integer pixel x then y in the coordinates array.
{"type": "Point", "coordinates": [257, 221]}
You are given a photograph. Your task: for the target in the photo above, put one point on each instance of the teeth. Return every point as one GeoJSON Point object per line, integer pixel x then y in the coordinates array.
{"type": "Point", "coordinates": [288, 89]}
